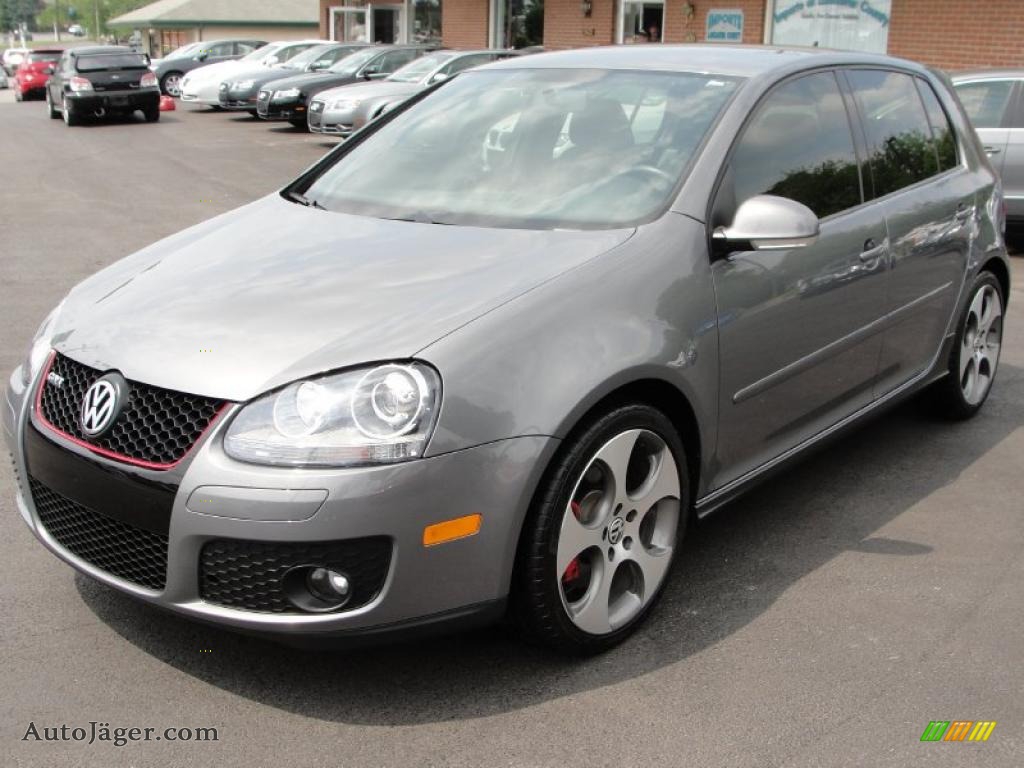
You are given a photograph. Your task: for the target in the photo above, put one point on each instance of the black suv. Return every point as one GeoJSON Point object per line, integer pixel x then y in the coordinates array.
{"type": "Point", "coordinates": [288, 98]}
{"type": "Point", "coordinates": [102, 80]}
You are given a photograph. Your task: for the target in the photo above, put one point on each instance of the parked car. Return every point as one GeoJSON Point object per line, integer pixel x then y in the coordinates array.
{"type": "Point", "coordinates": [11, 58]}
{"type": "Point", "coordinates": [32, 73]}
{"type": "Point", "coordinates": [171, 69]}
{"type": "Point", "coordinates": [3, 79]}
{"type": "Point", "coordinates": [288, 98]}
{"type": "Point", "coordinates": [424, 382]}
{"type": "Point", "coordinates": [99, 81]}
{"type": "Point", "coordinates": [202, 85]}
{"type": "Point", "coordinates": [340, 111]}
{"type": "Point", "coordinates": [76, 30]}
{"type": "Point", "coordinates": [239, 92]}
{"type": "Point", "coordinates": [994, 100]}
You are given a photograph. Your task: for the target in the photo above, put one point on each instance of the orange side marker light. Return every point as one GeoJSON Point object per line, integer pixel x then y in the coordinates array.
{"type": "Point", "coordinates": [450, 530]}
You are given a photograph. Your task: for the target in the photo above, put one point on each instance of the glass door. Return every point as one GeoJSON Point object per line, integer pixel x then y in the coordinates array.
{"type": "Point", "coordinates": [368, 23]}
{"type": "Point", "coordinates": [387, 23]}
{"type": "Point", "coordinates": [349, 25]}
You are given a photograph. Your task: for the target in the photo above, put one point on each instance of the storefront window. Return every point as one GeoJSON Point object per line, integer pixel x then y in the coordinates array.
{"type": "Point", "coordinates": [425, 21]}
{"type": "Point", "coordinates": [517, 23]}
{"type": "Point", "coordinates": [642, 22]}
{"type": "Point", "coordinates": [853, 26]}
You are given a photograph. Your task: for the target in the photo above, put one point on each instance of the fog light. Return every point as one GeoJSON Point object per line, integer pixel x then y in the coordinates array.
{"type": "Point", "coordinates": [316, 588]}
{"type": "Point", "coordinates": [327, 584]}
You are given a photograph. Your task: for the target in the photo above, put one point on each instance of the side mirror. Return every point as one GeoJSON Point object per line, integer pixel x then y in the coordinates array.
{"type": "Point", "coordinates": [765, 223]}
{"type": "Point", "coordinates": [271, 61]}
{"type": "Point", "coordinates": [440, 77]}
{"type": "Point", "coordinates": [202, 56]}
{"type": "Point", "coordinates": [48, 71]}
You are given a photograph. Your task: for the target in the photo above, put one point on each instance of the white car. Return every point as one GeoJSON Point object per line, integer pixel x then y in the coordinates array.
{"type": "Point", "coordinates": [12, 58]}
{"type": "Point", "coordinates": [201, 86]}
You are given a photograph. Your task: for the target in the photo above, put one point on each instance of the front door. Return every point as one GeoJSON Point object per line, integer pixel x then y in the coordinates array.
{"type": "Point", "coordinates": [370, 23]}
{"type": "Point", "coordinates": [797, 328]}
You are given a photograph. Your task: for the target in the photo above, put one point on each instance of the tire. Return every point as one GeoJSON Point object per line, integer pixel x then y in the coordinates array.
{"type": "Point", "coordinates": [70, 118]}
{"type": "Point", "coordinates": [152, 115]}
{"type": "Point", "coordinates": [17, 94]}
{"type": "Point", "coordinates": [51, 110]}
{"type": "Point", "coordinates": [170, 84]}
{"type": "Point", "coordinates": [300, 124]}
{"type": "Point", "coordinates": [618, 492]}
{"type": "Point", "coordinates": [974, 358]}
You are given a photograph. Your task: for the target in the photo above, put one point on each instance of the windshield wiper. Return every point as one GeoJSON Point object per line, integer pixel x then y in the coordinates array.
{"type": "Point", "coordinates": [418, 217]}
{"type": "Point", "coordinates": [301, 199]}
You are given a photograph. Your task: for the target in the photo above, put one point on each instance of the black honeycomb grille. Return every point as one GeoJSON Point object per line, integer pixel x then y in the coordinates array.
{"type": "Point", "coordinates": [248, 574]}
{"type": "Point", "coordinates": [131, 553]}
{"type": "Point", "coordinates": [157, 425]}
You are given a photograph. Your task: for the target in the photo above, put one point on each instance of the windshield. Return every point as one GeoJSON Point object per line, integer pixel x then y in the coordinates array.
{"type": "Point", "coordinates": [308, 56]}
{"type": "Point", "coordinates": [100, 62]}
{"type": "Point", "coordinates": [531, 148]}
{"type": "Point", "coordinates": [260, 53]}
{"type": "Point", "coordinates": [352, 64]}
{"type": "Point", "coordinates": [183, 51]}
{"type": "Point", "coordinates": [37, 56]}
{"type": "Point", "coordinates": [419, 68]}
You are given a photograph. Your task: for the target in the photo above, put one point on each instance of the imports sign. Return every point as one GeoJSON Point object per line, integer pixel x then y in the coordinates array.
{"type": "Point", "coordinates": [856, 25]}
{"type": "Point", "coordinates": [725, 26]}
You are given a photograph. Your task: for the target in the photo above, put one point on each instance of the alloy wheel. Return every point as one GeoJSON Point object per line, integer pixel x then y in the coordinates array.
{"type": "Point", "coordinates": [618, 531]}
{"type": "Point", "coordinates": [980, 344]}
{"type": "Point", "coordinates": [172, 85]}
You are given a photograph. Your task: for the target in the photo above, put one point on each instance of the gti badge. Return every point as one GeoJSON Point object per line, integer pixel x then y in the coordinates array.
{"type": "Point", "coordinates": [102, 404]}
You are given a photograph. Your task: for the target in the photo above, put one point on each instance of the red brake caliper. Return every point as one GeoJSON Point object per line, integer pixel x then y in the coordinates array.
{"type": "Point", "coordinates": [572, 571]}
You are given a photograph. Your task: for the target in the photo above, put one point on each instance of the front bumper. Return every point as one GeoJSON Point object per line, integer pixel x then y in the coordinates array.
{"type": "Point", "coordinates": [143, 98]}
{"type": "Point", "coordinates": [268, 109]}
{"type": "Point", "coordinates": [206, 95]}
{"type": "Point", "coordinates": [237, 100]}
{"type": "Point", "coordinates": [219, 499]}
{"type": "Point", "coordinates": [333, 123]}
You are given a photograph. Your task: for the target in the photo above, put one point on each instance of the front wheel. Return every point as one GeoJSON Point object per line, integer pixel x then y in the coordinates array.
{"type": "Point", "coordinates": [50, 108]}
{"type": "Point", "coordinates": [598, 545]}
{"type": "Point", "coordinates": [171, 84]}
{"type": "Point", "coordinates": [18, 95]}
{"type": "Point", "coordinates": [975, 355]}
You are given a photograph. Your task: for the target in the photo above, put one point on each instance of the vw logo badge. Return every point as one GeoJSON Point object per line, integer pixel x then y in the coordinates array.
{"type": "Point", "coordinates": [615, 530]}
{"type": "Point", "coordinates": [102, 404]}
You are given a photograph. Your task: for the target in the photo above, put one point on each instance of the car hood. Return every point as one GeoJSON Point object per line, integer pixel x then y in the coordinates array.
{"type": "Point", "coordinates": [209, 72]}
{"type": "Point", "coordinates": [275, 291]}
{"type": "Point", "coordinates": [315, 81]}
{"type": "Point", "coordinates": [379, 89]}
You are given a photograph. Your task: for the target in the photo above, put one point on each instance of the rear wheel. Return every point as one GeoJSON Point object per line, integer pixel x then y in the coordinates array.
{"type": "Point", "coordinates": [975, 355]}
{"type": "Point", "coordinates": [152, 114]}
{"type": "Point", "coordinates": [298, 123]}
{"type": "Point", "coordinates": [599, 542]}
{"type": "Point", "coordinates": [171, 84]}
{"type": "Point", "coordinates": [70, 118]}
{"type": "Point", "coordinates": [50, 108]}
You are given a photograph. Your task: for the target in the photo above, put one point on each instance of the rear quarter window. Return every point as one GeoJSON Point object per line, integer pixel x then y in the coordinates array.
{"type": "Point", "coordinates": [943, 134]}
{"type": "Point", "coordinates": [985, 102]}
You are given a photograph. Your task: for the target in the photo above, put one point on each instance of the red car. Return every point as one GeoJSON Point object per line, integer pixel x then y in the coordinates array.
{"type": "Point", "coordinates": [34, 70]}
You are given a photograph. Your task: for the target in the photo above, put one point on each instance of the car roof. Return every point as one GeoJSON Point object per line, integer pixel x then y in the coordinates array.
{"type": "Point", "coordinates": [729, 60]}
{"type": "Point", "coordinates": [98, 49]}
{"type": "Point", "coordinates": [987, 74]}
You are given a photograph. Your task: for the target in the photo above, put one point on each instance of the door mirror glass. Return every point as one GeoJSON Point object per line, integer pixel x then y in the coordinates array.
{"type": "Point", "coordinates": [440, 77]}
{"type": "Point", "coordinates": [201, 57]}
{"type": "Point", "coordinates": [768, 222]}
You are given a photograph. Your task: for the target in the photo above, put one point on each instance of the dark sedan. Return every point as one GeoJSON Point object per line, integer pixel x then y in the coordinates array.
{"type": "Point", "coordinates": [240, 90]}
{"type": "Point", "coordinates": [287, 99]}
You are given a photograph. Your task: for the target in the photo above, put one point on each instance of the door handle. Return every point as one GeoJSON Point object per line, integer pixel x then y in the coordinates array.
{"type": "Point", "coordinates": [873, 252]}
{"type": "Point", "coordinates": [963, 213]}
{"type": "Point", "coordinates": [992, 151]}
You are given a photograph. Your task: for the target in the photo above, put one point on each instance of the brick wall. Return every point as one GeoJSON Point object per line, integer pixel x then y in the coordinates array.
{"type": "Point", "coordinates": [955, 34]}
{"type": "Point", "coordinates": [566, 27]}
{"type": "Point", "coordinates": [464, 23]}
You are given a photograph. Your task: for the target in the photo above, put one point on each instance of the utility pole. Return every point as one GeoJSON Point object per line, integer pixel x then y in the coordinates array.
{"type": "Point", "coordinates": [96, 12]}
{"type": "Point", "coordinates": [56, 19]}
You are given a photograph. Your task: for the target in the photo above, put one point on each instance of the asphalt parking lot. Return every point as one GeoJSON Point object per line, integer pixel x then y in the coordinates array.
{"type": "Point", "coordinates": [823, 620]}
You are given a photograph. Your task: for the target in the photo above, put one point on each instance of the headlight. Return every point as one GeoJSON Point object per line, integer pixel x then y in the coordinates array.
{"type": "Point", "coordinates": [243, 85]}
{"type": "Point", "coordinates": [39, 349]}
{"type": "Point", "coordinates": [291, 93]}
{"type": "Point", "coordinates": [346, 104]}
{"type": "Point", "coordinates": [377, 415]}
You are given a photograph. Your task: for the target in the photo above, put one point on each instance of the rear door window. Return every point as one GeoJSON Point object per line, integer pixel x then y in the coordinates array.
{"type": "Point", "coordinates": [799, 145]}
{"type": "Point", "coordinates": [898, 132]}
{"type": "Point", "coordinates": [942, 130]}
{"type": "Point", "coordinates": [986, 102]}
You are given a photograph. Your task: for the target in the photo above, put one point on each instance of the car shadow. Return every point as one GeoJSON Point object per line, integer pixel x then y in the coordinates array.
{"type": "Point", "coordinates": [733, 567]}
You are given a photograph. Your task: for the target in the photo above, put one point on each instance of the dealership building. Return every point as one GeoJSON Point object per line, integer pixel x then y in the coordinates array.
{"type": "Point", "coordinates": [952, 34]}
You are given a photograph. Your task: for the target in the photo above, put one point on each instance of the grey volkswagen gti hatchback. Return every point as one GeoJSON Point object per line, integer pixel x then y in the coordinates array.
{"type": "Point", "coordinates": [496, 350]}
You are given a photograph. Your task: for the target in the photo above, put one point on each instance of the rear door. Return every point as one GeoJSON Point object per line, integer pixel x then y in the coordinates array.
{"type": "Point", "coordinates": [988, 104]}
{"type": "Point", "coordinates": [1013, 159]}
{"type": "Point", "coordinates": [797, 328]}
{"type": "Point", "coordinates": [929, 201]}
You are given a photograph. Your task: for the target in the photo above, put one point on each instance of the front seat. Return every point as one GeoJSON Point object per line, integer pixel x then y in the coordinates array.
{"type": "Point", "coordinates": [597, 131]}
